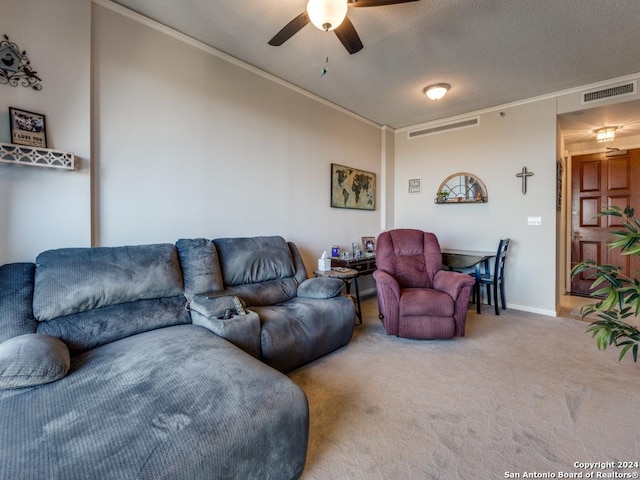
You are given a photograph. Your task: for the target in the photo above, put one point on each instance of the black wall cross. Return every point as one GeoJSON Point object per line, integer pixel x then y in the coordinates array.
{"type": "Point", "coordinates": [524, 174]}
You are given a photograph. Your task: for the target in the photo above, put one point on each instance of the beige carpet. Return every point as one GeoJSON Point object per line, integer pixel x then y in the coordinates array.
{"type": "Point", "coordinates": [520, 393]}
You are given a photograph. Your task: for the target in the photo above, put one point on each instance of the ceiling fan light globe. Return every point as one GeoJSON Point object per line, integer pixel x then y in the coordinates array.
{"type": "Point", "coordinates": [327, 14]}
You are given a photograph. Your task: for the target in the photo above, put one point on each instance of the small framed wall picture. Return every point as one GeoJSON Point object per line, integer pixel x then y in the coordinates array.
{"type": "Point", "coordinates": [27, 128]}
{"type": "Point", "coordinates": [414, 185]}
{"type": "Point", "coordinates": [369, 243]}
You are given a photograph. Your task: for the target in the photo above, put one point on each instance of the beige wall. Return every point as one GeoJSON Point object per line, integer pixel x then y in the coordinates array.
{"type": "Point", "coordinates": [495, 151]}
{"type": "Point", "coordinates": [44, 208]}
{"type": "Point", "coordinates": [188, 144]}
{"type": "Point", "coordinates": [387, 181]}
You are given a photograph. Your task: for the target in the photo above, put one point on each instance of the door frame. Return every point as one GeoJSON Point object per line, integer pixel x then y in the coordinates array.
{"type": "Point", "coordinates": [567, 207]}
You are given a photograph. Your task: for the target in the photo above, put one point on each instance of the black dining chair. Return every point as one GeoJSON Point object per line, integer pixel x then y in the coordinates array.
{"type": "Point", "coordinates": [497, 279]}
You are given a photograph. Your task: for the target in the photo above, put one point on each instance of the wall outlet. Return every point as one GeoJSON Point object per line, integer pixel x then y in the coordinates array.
{"type": "Point", "coordinates": [534, 221]}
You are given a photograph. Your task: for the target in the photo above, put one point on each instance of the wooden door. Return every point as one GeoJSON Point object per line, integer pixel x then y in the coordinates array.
{"type": "Point", "coordinates": [599, 182]}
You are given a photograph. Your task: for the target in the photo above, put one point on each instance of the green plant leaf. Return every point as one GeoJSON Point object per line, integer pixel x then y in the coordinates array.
{"type": "Point", "coordinates": [624, 350]}
{"type": "Point", "coordinates": [619, 294]}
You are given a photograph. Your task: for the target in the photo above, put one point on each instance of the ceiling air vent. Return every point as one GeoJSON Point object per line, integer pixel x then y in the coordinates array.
{"type": "Point", "coordinates": [472, 122]}
{"type": "Point", "coordinates": [628, 88]}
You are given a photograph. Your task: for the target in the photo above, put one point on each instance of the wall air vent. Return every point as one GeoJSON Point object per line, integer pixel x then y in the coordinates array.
{"type": "Point", "coordinates": [628, 88]}
{"type": "Point", "coordinates": [472, 122]}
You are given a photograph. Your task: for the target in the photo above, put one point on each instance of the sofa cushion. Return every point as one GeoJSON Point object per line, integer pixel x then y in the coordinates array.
{"type": "Point", "coordinates": [254, 260]}
{"type": "Point", "coordinates": [200, 267]}
{"type": "Point", "coordinates": [320, 287]}
{"type": "Point", "coordinates": [16, 300]}
{"type": "Point", "coordinates": [92, 296]}
{"type": "Point", "coordinates": [303, 329]}
{"type": "Point", "coordinates": [260, 270]}
{"type": "Point", "coordinates": [85, 330]}
{"type": "Point", "coordinates": [419, 301]}
{"type": "Point", "coordinates": [74, 280]}
{"type": "Point", "coordinates": [32, 359]}
{"type": "Point", "coordinates": [173, 403]}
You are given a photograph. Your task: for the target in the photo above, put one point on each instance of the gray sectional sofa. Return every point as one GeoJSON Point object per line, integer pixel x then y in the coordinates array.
{"type": "Point", "coordinates": [114, 363]}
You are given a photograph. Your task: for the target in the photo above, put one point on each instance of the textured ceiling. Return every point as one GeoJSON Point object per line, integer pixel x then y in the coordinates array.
{"type": "Point", "coordinates": [492, 52]}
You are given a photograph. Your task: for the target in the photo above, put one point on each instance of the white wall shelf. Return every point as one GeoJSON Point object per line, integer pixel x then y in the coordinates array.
{"type": "Point", "coordinates": [36, 157]}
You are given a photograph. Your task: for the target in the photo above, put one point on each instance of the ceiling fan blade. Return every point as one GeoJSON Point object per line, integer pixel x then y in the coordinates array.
{"type": "Point", "coordinates": [347, 34]}
{"type": "Point", "coordinates": [376, 3]}
{"type": "Point", "coordinates": [290, 29]}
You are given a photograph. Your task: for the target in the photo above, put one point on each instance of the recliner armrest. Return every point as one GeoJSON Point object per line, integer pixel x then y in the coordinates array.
{"type": "Point", "coordinates": [384, 279]}
{"type": "Point", "coordinates": [241, 330]}
{"type": "Point", "coordinates": [452, 283]}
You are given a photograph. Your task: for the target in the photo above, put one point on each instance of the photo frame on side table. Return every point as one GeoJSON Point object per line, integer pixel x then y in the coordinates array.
{"type": "Point", "coordinates": [369, 244]}
{"type": "Point", "coordinates": [352, 188]}
{"type": "Point", "coordinates": [27, 128]}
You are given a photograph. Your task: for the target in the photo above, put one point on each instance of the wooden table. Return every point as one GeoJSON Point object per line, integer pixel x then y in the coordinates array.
{"type": "Point", "coordinates": [456, 259]}
{"type": "Point", "coordinates": [365, 264]}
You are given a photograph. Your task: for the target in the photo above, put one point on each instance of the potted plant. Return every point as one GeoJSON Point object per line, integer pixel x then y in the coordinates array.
{"type": "Point", "coordinates": [619, 295]}
{"type": "Point", "coordinates": [442, 196]}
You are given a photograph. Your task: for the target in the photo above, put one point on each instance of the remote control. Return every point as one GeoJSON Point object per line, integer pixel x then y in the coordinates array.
{"type": "Point", "coordinates": [238, 304]}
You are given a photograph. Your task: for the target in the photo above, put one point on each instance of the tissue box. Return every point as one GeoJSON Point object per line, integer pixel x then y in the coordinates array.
{"type": "Point", "coordinates": [324, 264]}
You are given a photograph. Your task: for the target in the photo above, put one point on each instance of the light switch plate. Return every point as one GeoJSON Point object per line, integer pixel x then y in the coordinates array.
{"type": "Point", "coordinates": [534, 221]}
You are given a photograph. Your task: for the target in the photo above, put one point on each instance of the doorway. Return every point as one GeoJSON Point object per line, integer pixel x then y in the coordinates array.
{"type": "Point", "coordinates": [599, 181]}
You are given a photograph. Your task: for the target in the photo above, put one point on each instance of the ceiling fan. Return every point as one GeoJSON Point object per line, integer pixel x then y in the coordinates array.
{"type": "Point", "coordinates": [331, 15]}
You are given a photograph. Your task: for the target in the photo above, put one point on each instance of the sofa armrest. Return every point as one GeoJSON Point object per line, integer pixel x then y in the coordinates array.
{"type": "Point", "coordinates": [320, 288]}
{"type": "Point", "coordinates": [241, 330]}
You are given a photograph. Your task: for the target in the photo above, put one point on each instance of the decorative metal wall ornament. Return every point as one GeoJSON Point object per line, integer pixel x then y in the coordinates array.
{"type": "Point", "coordinates": [523, 175]}
{"type": "Point", "coordinates": [15, 66]}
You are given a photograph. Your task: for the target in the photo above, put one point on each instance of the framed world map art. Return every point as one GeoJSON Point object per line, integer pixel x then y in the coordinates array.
{"type": "Point", "coordinates": [352, 188]}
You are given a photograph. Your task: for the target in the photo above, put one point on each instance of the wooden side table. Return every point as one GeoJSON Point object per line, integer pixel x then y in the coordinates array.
{"type": "Point", "coordinates": [365, 265]}
{"type": "Point", "coordinates": [347, 275]}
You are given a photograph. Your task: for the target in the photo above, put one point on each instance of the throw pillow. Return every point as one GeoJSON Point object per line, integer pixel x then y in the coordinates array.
{"type": "Point", "coordinates": [32, 359]}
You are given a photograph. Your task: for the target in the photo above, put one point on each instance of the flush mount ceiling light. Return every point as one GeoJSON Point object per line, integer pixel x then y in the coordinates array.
{"type": "Point", "coordinates": [606, 134]}
{"type": "Point", "coordinates": [437, 91]}
{"type": "Point", "coordinates": [327, 14]}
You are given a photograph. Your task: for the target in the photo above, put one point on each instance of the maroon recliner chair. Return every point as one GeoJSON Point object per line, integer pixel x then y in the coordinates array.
{"type": "Point", "coordinates": [415, 297]}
